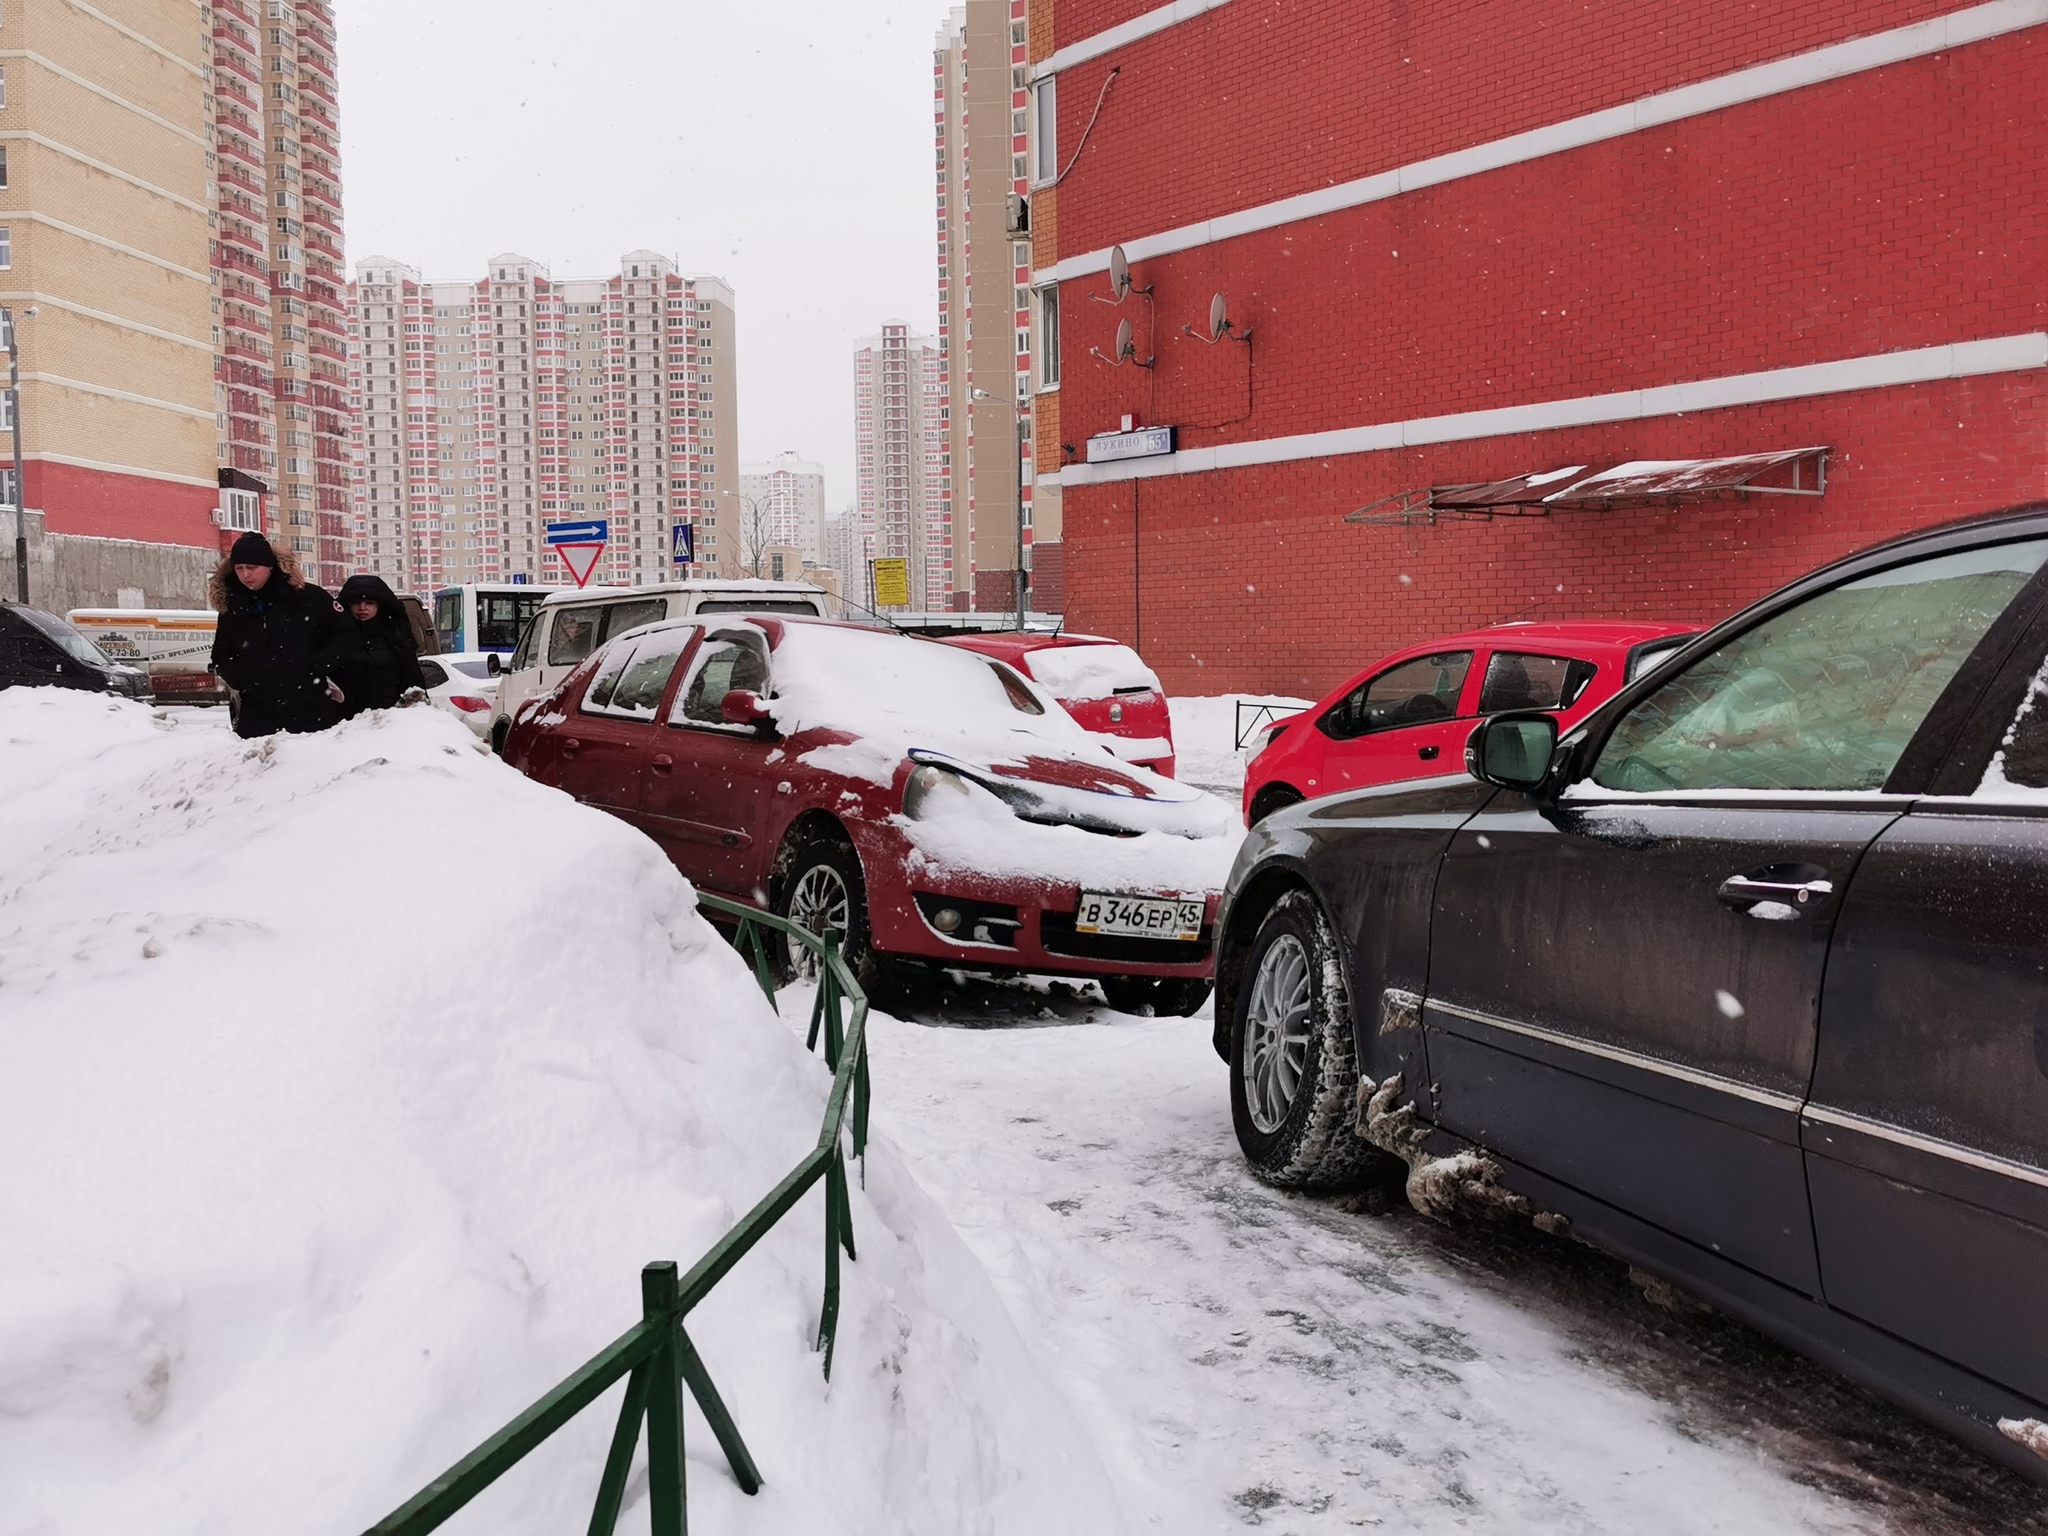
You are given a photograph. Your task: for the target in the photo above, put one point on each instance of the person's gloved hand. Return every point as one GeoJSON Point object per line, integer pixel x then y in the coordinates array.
{"type": "Point", "coordinates": [334, 692]}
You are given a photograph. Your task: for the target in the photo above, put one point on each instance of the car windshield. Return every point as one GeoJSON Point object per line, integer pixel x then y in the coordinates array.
{"type": "Point", "coordinates": [875, 683]}
{"type": "Point", "coordinates": [66, 639]}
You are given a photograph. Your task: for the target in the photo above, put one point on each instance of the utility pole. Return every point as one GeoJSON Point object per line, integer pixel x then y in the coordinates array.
{"type": "Point", "coordinates": [20, 493]}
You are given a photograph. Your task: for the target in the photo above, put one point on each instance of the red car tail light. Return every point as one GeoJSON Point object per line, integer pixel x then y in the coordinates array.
{"type": "Point", "coordinates": [469, 703]}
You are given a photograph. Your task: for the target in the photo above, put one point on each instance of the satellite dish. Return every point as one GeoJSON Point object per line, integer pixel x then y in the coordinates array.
{"type": "Point", "coordinates": [1124, 344]}
{"type": "Point", "coordinates": [1219, 321]}
{"type": "Point", "coordinates": [1119, 272]}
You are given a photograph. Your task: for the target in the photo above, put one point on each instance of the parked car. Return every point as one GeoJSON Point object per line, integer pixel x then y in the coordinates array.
{"type": "Point", "coordinates": [1102, 683]}
{"type": "Point", "coordinates": [1407, 715]}
{"type": "Point", "coordinates": [1746, 977]}
{"type": "Point", "coordinates": [173, 645]}
{"type": "Point", "coordinates": [570, 624]}
{"type": "Point", "coordinates": [40, 650]}
{"type": "Point", "coordinates": [463, 684]}
{"type": "Point", "coordinates": [933, 805]}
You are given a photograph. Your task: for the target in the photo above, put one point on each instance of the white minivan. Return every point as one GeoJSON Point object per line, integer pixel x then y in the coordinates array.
{"type": "Point", "coordinates": [572, 624]}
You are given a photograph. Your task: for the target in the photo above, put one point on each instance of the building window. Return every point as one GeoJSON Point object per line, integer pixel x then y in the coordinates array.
{"type": "Point", "coordinates": [1045, 142]}
{"type": "Point", "coordinates": [3, 165]}
{"type": "Point", "coordinates": [6, 248]}
{"type": "Point", "coordinates": [1049, 338]}
{"type": "Point", "coordinates": [3, 85]}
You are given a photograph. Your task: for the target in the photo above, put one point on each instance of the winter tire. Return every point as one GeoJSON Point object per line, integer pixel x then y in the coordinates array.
{"type": "Point", "coordinates": [1293, 1067]}
{"type": "Point", "coordinates": [822, 890]}
{"type": "Point", "coordinates": [498, 734]}
{"type": "Point", "coordinates": [1161, 996]}
{"type": "Point", "coordinates": [1274, 797]}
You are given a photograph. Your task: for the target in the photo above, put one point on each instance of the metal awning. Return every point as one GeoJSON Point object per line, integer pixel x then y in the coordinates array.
{"type": "Point", "coordinates": [1668, 482]}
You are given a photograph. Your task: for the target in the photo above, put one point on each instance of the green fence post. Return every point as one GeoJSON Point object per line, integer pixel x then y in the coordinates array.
{"type": "Point", "coordinates": [750, 936]}
{"type": "Point", "coordinates": [828, 1319]}
{"type": "Point", "coordinates": [826, 984]}
{"type": "Point", "coordinates": [716, 1415]}
{"type": "Point", "coordinates": [611, 1488]}
{"type": "Point", "coordinates": [832, 1029]}
{"type": "Point", "coordinates": [666, 1497]}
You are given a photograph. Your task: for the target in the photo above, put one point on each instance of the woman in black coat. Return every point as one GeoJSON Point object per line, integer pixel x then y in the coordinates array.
{"type": "Point", "coordinates": [267, 644]}
{"type": "Point", "coordinates": [371, 657]}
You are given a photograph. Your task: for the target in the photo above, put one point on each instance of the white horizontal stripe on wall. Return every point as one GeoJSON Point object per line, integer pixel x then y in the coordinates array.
{"type": "Point", "coordinates": [1122, 35]}
{"type": "Point", "coordinates": [1963, 359]}
{"type": "Point", "coordinates": [1834, 62]}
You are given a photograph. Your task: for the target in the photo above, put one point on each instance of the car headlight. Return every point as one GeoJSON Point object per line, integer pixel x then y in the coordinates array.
{"type": "Point", "coordinates": [926, 793]}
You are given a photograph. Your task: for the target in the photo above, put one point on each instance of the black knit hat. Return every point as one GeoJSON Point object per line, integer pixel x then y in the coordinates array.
{"type": "Point", "coordinates": [253, 549]}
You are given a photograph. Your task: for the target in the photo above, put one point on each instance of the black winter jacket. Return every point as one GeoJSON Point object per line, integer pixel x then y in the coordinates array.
{"type": "Point", "coordinates": [372, 663]}
{"type": "Point", "coordinates": [267, 648]}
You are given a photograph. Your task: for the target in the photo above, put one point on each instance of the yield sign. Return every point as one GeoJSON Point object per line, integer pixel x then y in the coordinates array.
{"type": "Point", "coordinates": [579, 544]}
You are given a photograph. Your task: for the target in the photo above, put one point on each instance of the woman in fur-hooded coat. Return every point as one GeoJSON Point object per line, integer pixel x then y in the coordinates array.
{"type": "Point", "coordinates": [267, 646]}
{"type": "Point", "coordinates": [370, 655]}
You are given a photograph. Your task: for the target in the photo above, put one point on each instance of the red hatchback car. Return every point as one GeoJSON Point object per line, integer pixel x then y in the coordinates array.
{"type": "Point", "coordinates": [1101, 682]}
{"type": "Point", "coordinates": [1407, 715]}
{"type": "Point", "coordinates": [930, 804]}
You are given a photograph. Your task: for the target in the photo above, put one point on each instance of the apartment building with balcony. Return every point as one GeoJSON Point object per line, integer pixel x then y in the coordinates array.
{"type": "Point", "coordinates": [488, 409]}
{"type": "Point", "coordinates": [899, 473]}
{"type": "Point", "coordinates": [788, 491]}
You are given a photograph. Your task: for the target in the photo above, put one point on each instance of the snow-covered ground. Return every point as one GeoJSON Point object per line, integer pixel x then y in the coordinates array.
{"type": "Point", "coordinates": [1204, 736]}
{"type": "Point", "coordinates": [346, 1083]}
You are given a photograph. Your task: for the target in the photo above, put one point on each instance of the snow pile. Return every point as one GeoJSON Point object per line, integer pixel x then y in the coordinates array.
{"type": "Point", "coordinates": [347, 1081]}
{"type": "Point", "coordinates": [1090, 671]}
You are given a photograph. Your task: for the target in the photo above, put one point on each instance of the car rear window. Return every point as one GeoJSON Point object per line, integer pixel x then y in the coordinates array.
{"type": "Point", "coordinates": [757, 605]}
{"type": "Point", "coordinates": [1520, 680]}
{"type": "Point", "coordinates": [1090, 671]}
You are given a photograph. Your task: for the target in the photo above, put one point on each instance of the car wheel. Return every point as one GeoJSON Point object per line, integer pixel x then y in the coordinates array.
{"type": "Point", "coordinates": [1293, 1069]}
{"type": "Point", "coordinates": [1161, 996]}
{"type": "Point", "coordinates": [498, 734]}
{"type": "Point", "coordinates": [823, 891]}
{"type": "Point", "coordinates": [1274, 797]}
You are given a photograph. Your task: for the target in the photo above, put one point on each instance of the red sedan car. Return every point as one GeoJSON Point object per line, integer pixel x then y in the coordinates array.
{"type": "Point", "coordinates": [932, 805]}
{"type": "Point", "coordinates": [1101, 682]}
{"type": "Point", "coordinates": [1407, 715]}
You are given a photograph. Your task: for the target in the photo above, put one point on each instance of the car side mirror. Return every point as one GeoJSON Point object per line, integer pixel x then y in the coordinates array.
{"type": "Point", "coordinates": [743, 707]}
{"type": "Point", "coordinates": [1512, 751]}
{"type": "Point", "coordinates": [494, 664]}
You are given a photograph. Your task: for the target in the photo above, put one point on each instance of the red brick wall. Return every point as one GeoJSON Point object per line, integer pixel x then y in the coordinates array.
{"type": "Point", "coordinates": [1296, 94]}
{"type": "Point", "coordinates": [1252, 581]}
{"type": "Point", "coordinates": [1049, 578]}
{"type": "Point", "coordinates": [106, 505]}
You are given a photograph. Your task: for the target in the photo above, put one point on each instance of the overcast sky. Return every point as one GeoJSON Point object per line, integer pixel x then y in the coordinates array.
{"type": "Point", "coordinates": [784, 145]}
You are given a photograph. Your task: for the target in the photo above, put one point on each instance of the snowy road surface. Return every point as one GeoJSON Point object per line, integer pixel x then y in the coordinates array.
{"type": "Point", "coordinates": [1247, 1358]}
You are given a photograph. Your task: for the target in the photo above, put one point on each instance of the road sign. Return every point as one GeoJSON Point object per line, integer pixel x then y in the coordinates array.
{"type": "Point", "coordinates": [579, 545]}
{"type": "Point", "coordinates": [682, 543]}
{"type": "Point", "coordinates": [892, 583]}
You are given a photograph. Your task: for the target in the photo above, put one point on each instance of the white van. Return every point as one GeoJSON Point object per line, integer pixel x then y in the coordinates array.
{"type": "Point", "coordinates": [572, 624]}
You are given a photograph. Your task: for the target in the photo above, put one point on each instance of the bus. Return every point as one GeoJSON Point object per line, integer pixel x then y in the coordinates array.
{"type": "Point", "coordinates": [487, 617]}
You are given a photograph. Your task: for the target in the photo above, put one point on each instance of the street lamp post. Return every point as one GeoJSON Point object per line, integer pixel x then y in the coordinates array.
{"type": "Point", "coordinates": [1023, 428]}
{"type": "Point", "coordinates": [20, 493]}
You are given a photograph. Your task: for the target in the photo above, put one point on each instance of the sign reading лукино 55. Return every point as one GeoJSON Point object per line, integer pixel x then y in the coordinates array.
{"type": "Point", "coordinates": [579, 545]}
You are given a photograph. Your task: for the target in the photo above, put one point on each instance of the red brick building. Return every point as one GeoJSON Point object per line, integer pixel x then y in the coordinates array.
{"type": "Point", "coordinates": [1471, 242]}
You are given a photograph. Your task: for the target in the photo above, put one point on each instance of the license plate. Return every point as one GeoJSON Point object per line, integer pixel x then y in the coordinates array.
{"type": "Point", "coordinates": [1140, 917]}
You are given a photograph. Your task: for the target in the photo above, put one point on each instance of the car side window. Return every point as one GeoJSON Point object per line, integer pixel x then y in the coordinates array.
{"type": "Point", "coordinates": [431, 671]}
{"type": "Point", "coordinates": [2021, 761]}
{"type": "Point", "coordinates": [728, 660]}
{"type": "Point", "coordinates": [522, 657]}
{"type": "Point", "coordinates": [620, 617]}
{"type": "Point", "coordinates": [634, 674]}
{"type": "Point", "coordinates": [1517, 680]}
{"type": "Point", "coordinates": [1825, 695]}
{"type": "Point", "coordinates": [574, 634]}
{"type": "Point", "coordinates": [1415, 692]}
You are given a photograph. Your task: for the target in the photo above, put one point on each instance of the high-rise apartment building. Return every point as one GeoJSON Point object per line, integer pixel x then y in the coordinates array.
{"type": "Point", "coordinates": [899, 449]}
{"type": "Point", "coordinates": [106, 214]}
{"type": "Point", "coordinates": [981, 122]}
{"type": "Point", "coordinates": [846, 552]}
{"type": "Point", "coordinates": [788, 495]}
{"type": "Point", "coordinates": [488, 410]}
{"type": "Point", "coordinates": [281, 396]}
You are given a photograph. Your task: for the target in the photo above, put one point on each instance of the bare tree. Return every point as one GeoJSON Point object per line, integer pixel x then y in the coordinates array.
{"type": "Point", "coordinates": [755, 533]}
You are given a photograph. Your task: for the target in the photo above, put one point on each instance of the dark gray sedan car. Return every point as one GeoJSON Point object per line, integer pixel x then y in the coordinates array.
{"type": "Point", "coordinates": [1746, 979]}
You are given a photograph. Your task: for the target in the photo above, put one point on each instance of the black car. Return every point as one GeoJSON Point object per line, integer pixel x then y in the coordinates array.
{"type": "Point", "coordinates": [40, 650]}
{"type": "Point", "coordinates": [1746, 979]}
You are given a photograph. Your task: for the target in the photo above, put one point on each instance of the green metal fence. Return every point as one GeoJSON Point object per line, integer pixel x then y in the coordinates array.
{"type": "Point", "coordinates": [655, 1355]}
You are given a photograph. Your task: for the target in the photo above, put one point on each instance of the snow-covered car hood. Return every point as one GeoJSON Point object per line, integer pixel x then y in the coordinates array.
{"type": "Point", "coordinates": [1094, 794]}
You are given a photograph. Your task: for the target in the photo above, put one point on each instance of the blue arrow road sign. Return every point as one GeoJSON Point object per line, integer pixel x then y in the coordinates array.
{"type": "Point", "coordinates": [682, 543]}
{"type": "Point", "coordinates": [597, 530]}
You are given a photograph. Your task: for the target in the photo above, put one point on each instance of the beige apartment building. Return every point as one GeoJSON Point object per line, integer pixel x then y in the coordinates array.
{"type": "Point", "coordinates": [488, 410]}
{"type": "Point", "coordinates": [786, 497]}
{"type": "Point", "coordinates": [980, 95]}
{"type": "Point", "coordinates": [106, 219]}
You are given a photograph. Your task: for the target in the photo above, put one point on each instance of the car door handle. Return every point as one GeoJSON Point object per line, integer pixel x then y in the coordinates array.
{"type": "Point", "coordinates": [1774, 884]}
{"type": "Point", "coordinates": [662, 762]}
{"type": "Point", "coordinates": [1428, 754]}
